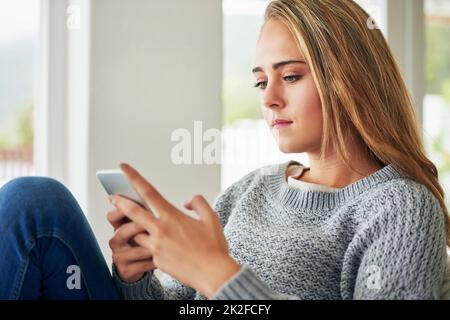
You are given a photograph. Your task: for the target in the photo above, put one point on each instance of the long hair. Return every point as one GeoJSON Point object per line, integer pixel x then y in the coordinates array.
{"type": "Point", "coordinates": [360, 86]}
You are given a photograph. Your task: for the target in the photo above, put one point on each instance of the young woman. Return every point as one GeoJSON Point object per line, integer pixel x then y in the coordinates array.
{"type": "Point", "coordinates": [365, 220]}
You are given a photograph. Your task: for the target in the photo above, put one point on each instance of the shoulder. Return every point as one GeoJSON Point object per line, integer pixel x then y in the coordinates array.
{"type": "Point", "coordinates": [401, 216]}
{"type": "Point", "coordinates": [405, 201]}
{"type": "Point", "coordinates": [405, 191]}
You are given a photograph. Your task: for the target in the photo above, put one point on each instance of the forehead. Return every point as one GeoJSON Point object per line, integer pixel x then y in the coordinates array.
{"type": "Point", "coordinates": [276, 42]}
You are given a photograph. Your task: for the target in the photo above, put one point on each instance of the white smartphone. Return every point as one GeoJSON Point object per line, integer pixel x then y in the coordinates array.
{"type": "Point", "coordinates": [116, 183]}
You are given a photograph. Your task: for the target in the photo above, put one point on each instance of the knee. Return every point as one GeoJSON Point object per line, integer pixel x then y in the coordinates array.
{"type": "Point", "coordinates": [25, 194]}
{"type": "Point", "coordinates": [26, 187]}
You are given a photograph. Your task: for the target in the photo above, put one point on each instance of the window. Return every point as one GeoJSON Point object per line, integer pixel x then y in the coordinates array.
{"type": "Point", "coordinates": [436, 109]}
{"type": "Point", "coordinates": [18, 38]}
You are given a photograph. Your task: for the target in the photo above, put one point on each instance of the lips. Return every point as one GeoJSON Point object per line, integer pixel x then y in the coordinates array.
{"type": "Point", "coordinates": [280, 123]}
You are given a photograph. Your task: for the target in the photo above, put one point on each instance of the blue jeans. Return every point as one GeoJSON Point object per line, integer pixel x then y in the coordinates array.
{"type": "Point", "coordinates": [47, 248]}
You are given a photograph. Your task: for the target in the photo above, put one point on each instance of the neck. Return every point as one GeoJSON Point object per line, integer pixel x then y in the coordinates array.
{"type": "Point", "coordinates": [333, 172]}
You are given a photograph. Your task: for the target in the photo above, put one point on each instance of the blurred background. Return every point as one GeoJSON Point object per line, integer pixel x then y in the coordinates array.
{"type": "Point", "coordinates": [86, 84]}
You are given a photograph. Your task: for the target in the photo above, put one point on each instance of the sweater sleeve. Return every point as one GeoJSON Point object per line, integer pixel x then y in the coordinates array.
{"type": "Point", "coordinates": [402, 252]}
{"type": "Point", "coordinates": [246, 285]}
{"type": "Point", "coordinates": [151, 287]}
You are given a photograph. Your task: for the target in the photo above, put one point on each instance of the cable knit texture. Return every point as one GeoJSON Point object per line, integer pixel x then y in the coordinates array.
{"type": "Point", "coordinates": [381, 237]}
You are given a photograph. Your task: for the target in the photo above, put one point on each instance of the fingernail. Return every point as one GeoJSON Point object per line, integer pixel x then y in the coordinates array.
{"type": "Point", "coordinates": [112, 199]}
{"type": "Point", "coordinates": [124, 165]}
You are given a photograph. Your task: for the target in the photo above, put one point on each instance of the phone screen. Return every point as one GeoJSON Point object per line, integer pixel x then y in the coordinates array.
{"type": "Point", "coordinates": [115, 183]}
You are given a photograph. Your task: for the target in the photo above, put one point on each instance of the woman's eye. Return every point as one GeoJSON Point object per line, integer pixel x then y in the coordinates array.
{"type": "Point", "coordinates": [262, 84]}
{"type": "Point", "coordinates": [292, 78]}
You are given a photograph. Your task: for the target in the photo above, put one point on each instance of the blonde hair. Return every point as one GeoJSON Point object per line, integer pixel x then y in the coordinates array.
{"type": "Point", "coordinates": [360, 86]}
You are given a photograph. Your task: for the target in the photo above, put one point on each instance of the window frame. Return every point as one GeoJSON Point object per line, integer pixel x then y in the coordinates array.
{"type": "Point", "coordinates": [406, 37]}
{"type": "Point", "coordinates": [62, 96]}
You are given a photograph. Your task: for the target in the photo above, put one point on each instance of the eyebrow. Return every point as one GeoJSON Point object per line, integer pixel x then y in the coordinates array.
{"type": "Point", "coordinates": [277, 65]}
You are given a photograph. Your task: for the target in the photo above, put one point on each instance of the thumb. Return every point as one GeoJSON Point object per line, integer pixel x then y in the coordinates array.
{"type": "Point", "coordinates": [202, 207]}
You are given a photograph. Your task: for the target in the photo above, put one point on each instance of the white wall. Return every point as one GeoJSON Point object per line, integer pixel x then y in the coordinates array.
{"type": "Point", "coordinates": [155, 66]}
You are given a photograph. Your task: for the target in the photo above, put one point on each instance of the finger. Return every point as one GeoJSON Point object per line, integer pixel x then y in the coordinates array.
{"type": "Point", "coordinates": [149, 193]}
{"type": "Point", "coordinates": [202, 207]}
{"type": "Point", "coordinates": [135, 212]}
{"type": "Point", "coordinates": [128, 231]}
{"type": "Point", "coordinates": [131, 255]}
{"type": "Point", "coordinates": [143, 240]}
{"type": "Point", "coordinates": [123, 234]}
{"type": "Point", "coordinates": [136, 267]}
{"type": "Point", "coordinates": [116, 218]}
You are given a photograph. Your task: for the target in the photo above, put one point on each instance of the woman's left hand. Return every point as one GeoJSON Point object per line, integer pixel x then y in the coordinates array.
{"type": "Point", "coordinates": [192, 251]}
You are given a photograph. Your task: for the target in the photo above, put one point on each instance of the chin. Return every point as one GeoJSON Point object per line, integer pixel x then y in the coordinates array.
{"type": "Point", "coordinates": [291, 146]}
{"type": "Point", "coordinates": [286, 148]}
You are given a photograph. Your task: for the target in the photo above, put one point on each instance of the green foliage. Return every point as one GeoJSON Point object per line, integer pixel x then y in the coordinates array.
{"type": "Point", "coordinates": [446, 89]}
{"type": "Point", "coordinates": [240, 98]}
{"type": "Point", "coordinates": [437, 147]}
{"type": "Point", "coordinates": [4, 142]}
{"type": "Point", "coordinates": [438, 55]}
{"type": "Point", "coordinates": [6, 139]}
{"type": "Point", "coordinates": [17, 130]}
{"type": "Point", "coordinates": [25, 126]}
{"type": "Point", "coordinates": [438, 82]}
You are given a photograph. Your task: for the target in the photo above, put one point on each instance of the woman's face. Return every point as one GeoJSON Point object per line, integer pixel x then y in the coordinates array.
{"type": "Point", "coordinates": [287, 90]}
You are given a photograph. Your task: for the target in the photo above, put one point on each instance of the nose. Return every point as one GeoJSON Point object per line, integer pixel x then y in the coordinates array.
{"type": "Point", "coordinates": [272, 97]}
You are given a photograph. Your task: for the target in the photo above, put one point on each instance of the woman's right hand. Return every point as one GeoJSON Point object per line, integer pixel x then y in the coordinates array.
{"type": "Point", "coordinates": [131, 261]}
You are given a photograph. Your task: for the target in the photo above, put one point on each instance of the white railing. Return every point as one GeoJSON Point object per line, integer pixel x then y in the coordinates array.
{"type": "Point", "coordinates": [15, 163]}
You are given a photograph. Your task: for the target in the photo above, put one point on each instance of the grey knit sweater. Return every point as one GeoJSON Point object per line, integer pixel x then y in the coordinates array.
{"type": "Point", "coordinates": [381, 237]}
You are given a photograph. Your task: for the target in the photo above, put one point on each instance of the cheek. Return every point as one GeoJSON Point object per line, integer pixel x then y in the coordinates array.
{"type": "Point", "coordinates": [306, 107]}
